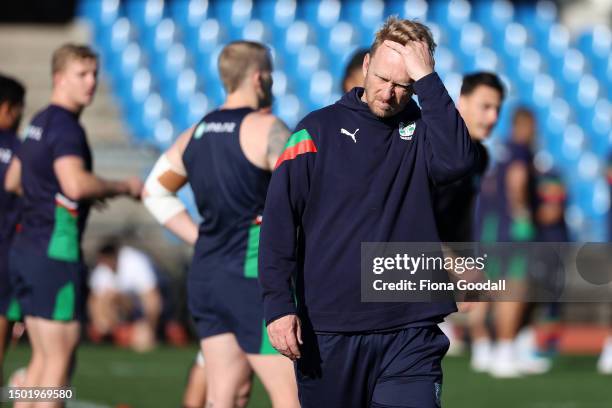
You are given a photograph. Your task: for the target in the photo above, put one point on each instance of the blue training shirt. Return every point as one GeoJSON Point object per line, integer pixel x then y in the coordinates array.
{"type": "Point", "coordinates": [52, 223]}
{"type": "Point", "coordinates": [9, 203]}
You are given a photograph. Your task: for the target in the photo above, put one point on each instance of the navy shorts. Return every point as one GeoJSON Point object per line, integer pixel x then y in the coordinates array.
{"type": "Point", "coordinates": [230, 305]}
{"type": "Point", "coordinates": [53, 290]}
{"type": "Point", "coordinates": [399, 369]}
{"type": "Point", "coordinates": [8, 304]}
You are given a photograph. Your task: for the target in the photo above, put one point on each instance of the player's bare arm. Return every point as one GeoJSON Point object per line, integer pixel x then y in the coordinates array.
{"type": "Point", "coordinates": [12, 180]}
{"type": "Point", "coordinates": [80, 184]}
{"type": "Point", "coordinates": [277, 138]}
{"type": "Point", "coordinates": [262, 138]}
{"type": "Point", "coordinates": [165, 180]}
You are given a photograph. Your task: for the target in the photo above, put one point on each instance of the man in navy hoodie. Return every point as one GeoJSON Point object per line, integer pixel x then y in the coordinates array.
{"type": "Point", "coordinates": [362, 170]}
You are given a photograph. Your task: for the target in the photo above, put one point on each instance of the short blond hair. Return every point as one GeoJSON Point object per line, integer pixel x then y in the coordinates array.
{"type": "Point", "coordinates": [402, 31]}
{"type": "Point", "coordinates": [238, 58]}
{"type": "Point", "coordinates": [70, 52]}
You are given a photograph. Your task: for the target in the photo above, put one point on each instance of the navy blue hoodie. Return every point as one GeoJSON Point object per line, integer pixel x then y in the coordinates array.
{"type": "Point", "coordinates": [347, 177]}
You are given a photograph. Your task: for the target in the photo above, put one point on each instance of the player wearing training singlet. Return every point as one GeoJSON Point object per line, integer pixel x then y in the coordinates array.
{"type": "Point", "coordinates": [227, 159]}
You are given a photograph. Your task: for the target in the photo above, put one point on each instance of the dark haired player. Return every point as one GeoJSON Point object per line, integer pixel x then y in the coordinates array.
{"type": "Point", "coordinates": [12, 96]}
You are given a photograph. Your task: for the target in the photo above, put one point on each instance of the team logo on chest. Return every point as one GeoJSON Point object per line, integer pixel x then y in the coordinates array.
{"type": "Point", "coordinates": [407, 130]}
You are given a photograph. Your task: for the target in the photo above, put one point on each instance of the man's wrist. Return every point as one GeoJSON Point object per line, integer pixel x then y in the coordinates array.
{"type": "Point", "coordinates": [119, 188]}
{"type": "Point", "coordinates": [422, 75]}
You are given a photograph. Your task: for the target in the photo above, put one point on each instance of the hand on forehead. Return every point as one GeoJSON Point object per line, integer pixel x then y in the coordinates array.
{"type": "Point", "coordinates": [416, 56]}
{"type": "Point", "coordinates": [390, 65]}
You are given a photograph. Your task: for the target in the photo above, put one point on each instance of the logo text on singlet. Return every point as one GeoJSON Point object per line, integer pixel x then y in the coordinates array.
{"type": "Point", "coordinates": [34, 133]}
{"type": "Point", "coordinates": [5, 155]}
{"type": "Point", "coordinates": [214, 127]}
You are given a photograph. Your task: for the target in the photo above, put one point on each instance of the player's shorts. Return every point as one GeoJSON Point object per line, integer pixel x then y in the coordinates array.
{"type": "Point", "coordinates": [230, 305]}
{"type": "Point", "coordinates": [9, 307]}
{"type": "Point", "coordinates": [46, 288]}
{"type": "Point", "coordinates": [399, 369]}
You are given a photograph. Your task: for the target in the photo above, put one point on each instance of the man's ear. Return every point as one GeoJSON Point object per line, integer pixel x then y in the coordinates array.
{"type": "Point", "coordinates": [461, 103]}
{"type": "Point", "coordinates": [5, 108]}
{"type": "Point", "coordinates": [256, 78]}
{"type": "Point", "coordinates": [365, 65]}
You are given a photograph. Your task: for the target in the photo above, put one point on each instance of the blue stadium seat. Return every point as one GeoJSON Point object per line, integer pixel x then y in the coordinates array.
{"type": "Point", "coordinates": [255, 30]}
{"type": "Point", "coordinates": [321, 87]}
{"type": "Point", "coordinates": [277, 15]}
{"type": "Point", "coordinates": [544, 88]}
{"type": "Point", "coordinates": [298, 36]}
{"type": "Point", "coordinates": [471, 39]}
{"type": "Point", "coordinates": [289, 109]}
{"type": "Point", "coordinates": [529, 66]}
{"type": "Point", "coordinates": [102, 12]}
{"type": "Point", "coordinates": [121, 34]}
{"type": "Point", "coordinates": [485, 59]}
{"type": "Point", "coordinates": [337, 65]}
{"type": "Point", "coordinates": [573, 142]}
{"type": "Point", "coordinates": [145, 14]}
{"type": "Point", "coordinates": [412, 9]}
{"type": "Point", "coordinates": [596, 44]}
{"type": "Point", "coordinates": [210, 36]}
{"type": "Point", "coordinates": [440, 36]}
{"type": "Point", "coordinates": [452, 15]}
{"type": "Point", "coordinates": [365, 14]}
{"type": "Point", "coordinates": [515, 39]}
{"type": "Point", "coordinates": [555, 44]}
{"type": "Point", "coordinates": [453, 81]}
{"type": "Point", "coordinates": [161, 38]}
{"type": "Point", "coordinates": [170, 64]}
{"type": "Point", "coordinates": [179, 90]}
{"type": "Point", "coordinates": [131, 60]}
{"type": "Point", "coordinates": [446, 61]}
{"type": "Point", "coordinates": [494, 15]}
{"type": "Point", "coordinates": [597, 41]}
{"type": "Point", "coordinates": [559, 115]}
{"type": "Point", "coordinates": [234, 14]}
{"type": "Point", "coordinates": [599, 127]}
{"type": "Point", "coordinates": [540, 19]}
{"type": "Point", "coordinates": [309, 60]}
{"type": "Point", "coordinates": [198, 106]}
{"type": "Point", "coordinates": [189, 14]}
{"type": "Point", "coordinates": [280, 84]}
{"type": "Point", "coordinates": [343, 36]}
{"type": "Point", "coordinates": [571, 70]}
{"type": "Point", "coordinates": [163, 134]}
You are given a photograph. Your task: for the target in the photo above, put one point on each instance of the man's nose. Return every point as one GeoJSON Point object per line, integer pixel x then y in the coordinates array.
{"type": "Point", "coordinates": [387, 92]}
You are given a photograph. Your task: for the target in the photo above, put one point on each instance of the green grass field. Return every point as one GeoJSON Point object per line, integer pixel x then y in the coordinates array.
{"type": "Point", "coordinates": [109, 376]}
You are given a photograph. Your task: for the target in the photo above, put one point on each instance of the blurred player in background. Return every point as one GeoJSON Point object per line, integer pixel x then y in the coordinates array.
{"type": "Point", "coordinates": [54, 170]}
{"type": "Point", "coordinates": [480, 100]}
{"type": "Point", "coordinates": [504, 214]}
{"type": "Point", "coordinates": [124, 289]}
{"type": "Point", "coordinates": [550, 201]}
{"type": "Point", "coordinates": [12, 97]}
{"type": "Point", "coordinates": [353, 74]}
{"type": "Point", "coordinates": [227, 159]}
{"type": "Point", "coordinates": [604, 364]}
